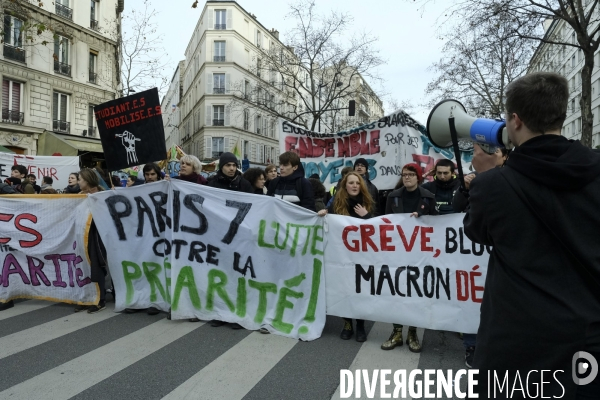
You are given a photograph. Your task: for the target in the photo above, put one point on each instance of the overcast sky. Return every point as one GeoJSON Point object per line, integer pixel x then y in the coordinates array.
{"type": "Point", "coordinates": [407, 39]}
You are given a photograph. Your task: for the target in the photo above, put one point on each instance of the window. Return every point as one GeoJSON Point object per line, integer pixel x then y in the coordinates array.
{"type": "Point", "coordinates": [247, 90]}
{"type": "Point", "coordinates": [61, 56]}
{"type": "Point", "coordinates": [94, 14]}
{"type": "Point", "coordinates": [218, 115]}
{"type": "Point", "coordinates": [91, 130]}
{"type": "Point", "coordinates": [259, 96]}
{"type": "Point", "coordinates": [219, 51]}
{"type": "Point", "coordinates": [93, 63]}
{"type": "Point", "coordinates": [220, 19]}
{"type": "Point", "coordinates": [272, 129]}
{"type": "Point", "coordinates": [258, 124]}
{"type": "Point", "coordinates": [219, 83]}
{"type": "Point", "coordinates": [246, 119]}
{"type": "Point", "coordinates": [573, 61]}
{"type": "Point", "coordinates": [13, 39]}
{"type": "Point", "coordinates": [11, 102]}
{"type": "Point", "coordinates": [258, 67]}
{"type": "Point", "coordinates": [60, 112]}
{"type": "Point", "coordinates": [258, 39]}
{"type": "Point", "coordinates": [62, 9]}
{"type": "Point", "coordinates": [218, 143]}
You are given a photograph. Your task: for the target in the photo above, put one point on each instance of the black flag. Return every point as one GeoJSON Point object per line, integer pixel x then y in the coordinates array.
{"type": "Point", "coordinates": [131, 130]}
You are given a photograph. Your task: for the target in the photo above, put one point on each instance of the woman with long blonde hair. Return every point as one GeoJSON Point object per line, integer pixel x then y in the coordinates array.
{"type": "Point", "coordinates": [353, 199]}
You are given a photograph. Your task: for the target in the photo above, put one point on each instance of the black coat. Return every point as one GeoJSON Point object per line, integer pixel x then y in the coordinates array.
{"type": "Point", "coordinates": [539, 307]}
{"type": "Point", "coordinates": [444, 194]}
{"type": "Point", "coordinates": [426, 205]}
{"type": "Point", "coordinates": [373, 192]}
{"type": "Point", "coordinates": [286, 188]}
{"type": "Point", "coordinates": [237, 183]}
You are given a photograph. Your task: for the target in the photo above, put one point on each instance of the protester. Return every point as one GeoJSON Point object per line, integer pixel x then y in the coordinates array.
{"type": "Point", "coordinates": [292, 186]}
{"type": "Point", "coordinates": [46, 183]}
{"type": "Point", "coordinates": [189, 170]}
{"type": "Point", "coordinates": [319, 191]}
{"type": "Point", "coordinates": [361, 166]}
{"type": "Point", "coordinates": [417, 201]}
{"type": "Point", "coordinates": [89, 183]}
{"type": "Point", "coordinates": [49, 191]}
{"type": "Point", "coordinates": [152, 172]}
{"type": "Point", "coordinates": [270, 174]}
{"type": "Point", "coordinates": [116, 181]}
{"type": "Point", "coordinates": [131, 181]}
{"type": "Point", "coordinates": [24, 187]}
{"type": "Point", "coordinates": [256, 177]}
{"type": "Point", "coordinates": [541, 304]}
{"type": "Point", "coordinates": [353, 199]}
{"type": "Point", "coordinates": [334, 188]}
{"type": "Point", "coordinates": [229, 177]}
{"type": "Point", "coordinates": [444, 185]}
{"type": "Point", "coordinates": [8, 187]}
{"type": "Point", "coordinates": [73, 186]}
{"type": "Point", "coordinates": [32, 180]}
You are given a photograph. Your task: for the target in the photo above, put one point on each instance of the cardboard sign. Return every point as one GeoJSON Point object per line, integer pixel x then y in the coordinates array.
{"type": "Point", "coordinates": [131, 130]}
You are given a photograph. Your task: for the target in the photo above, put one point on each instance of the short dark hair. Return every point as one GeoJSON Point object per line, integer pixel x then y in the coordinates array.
{"type": "Point", "coordinates": [252, 175]}
{"type": "Point", "coordinates": [21, 168]}
{"type": "Point", "coordinates": [289, 157]}
{"type": "Point", "coordinates": [345, 171]}
{"type": "Point", "coordinates": [31, 176]}
{"type": "Point", "coordinates": [132, 177]}
{"type": "Point", "coordinates": [152, 166]}
{"type": "Point", "coordinates": [47, 180]}
{"type": "Point", "coordinates": [318, 188]}
{"type": "Point", "coordinates": [540, 100]}
{"type": "Point", "coordinates": [444, 162]}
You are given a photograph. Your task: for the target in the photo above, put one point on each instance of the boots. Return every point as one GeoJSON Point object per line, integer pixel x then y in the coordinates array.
{"type": "Point", "coordinates": [413, 341]}
{"type": "Point", "coordinates": [394, 340]}
{"type": "Point", "coordinates": [347, 332]}
{"type": "Point", "coordinates": [361, 335]}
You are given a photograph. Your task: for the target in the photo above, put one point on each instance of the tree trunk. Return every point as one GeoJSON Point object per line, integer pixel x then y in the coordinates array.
{"type": "Point", "coordinates": [587, 118]}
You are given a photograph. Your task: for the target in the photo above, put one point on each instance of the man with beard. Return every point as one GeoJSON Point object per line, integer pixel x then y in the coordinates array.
{"type": "Point", "coordinates": [444, 186]}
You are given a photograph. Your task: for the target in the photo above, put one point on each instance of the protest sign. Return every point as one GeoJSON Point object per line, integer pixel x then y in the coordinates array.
{"type": "Point", "coordinates": [420, 272]}
{"type": "Point", "coordinates": [386, 144]}
{"type": "Point", "coordinates": [215, 254]}
{"type": "Point", "coordinates": [57, 168]}
{"type": "Point", "coordinates": [131, 130]}
{"type": "Point", "coordinates": [43, 245]}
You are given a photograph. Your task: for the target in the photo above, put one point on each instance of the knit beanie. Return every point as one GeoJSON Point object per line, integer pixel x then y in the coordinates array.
{"type": "Point", "coordinates": [361, 161]}
{"type": "Point", "coordinates": [416, 169]}
{"type": "Point", "coordinates": [227, 158]}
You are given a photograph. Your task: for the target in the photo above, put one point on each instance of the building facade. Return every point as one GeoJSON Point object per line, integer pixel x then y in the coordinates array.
{"type": "Point", "coordinates": [170, 109]}
{"type": "Point", "coordinates": [51, 83]}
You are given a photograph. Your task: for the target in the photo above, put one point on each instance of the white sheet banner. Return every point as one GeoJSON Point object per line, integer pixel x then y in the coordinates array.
{"type": "Point", "coordinates": [387, 145]}
{"type": "Point", "coordinates": [215, 254]}
{"type": "Point", "coordinates": [420, 272]}
{"type": "Point", "coordinates": [43, 245]}
{"type": "Point", "coordinates": [58, 168]}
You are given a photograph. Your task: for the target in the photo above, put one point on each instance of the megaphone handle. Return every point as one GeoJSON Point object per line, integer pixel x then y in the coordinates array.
{"type": "Point", "coordinates": [454, 137]}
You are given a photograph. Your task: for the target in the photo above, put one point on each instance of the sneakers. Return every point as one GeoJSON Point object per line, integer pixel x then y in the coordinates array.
{"type": "Point", "coordinates": [236, 326]}
{"type": "Point", "coordinates": [394, 340]}
{"type": "Point", "coordinates": [469, 355]}
{"type": "Point", "coordinates": [361, 335]}
{"type": "Point", "coordinates": [413, 341]}
{"type": "Point", "coordinates": [152, 311]}
{"type": "Point", "coordinates": [216, 323]}
{"type": "Point", "coordinates": [7, 305]}
{"type": "Point", "coordinates": [80, 308]}
{"type": "Point", "coordinates": [97, 308]}
{"type": "Point", "coordinates": [264, 330]}
{"type": "Point", "coordinates": [347, 332]}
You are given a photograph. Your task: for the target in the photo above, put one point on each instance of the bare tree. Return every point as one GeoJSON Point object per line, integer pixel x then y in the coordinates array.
{"type": "Point", "coordinates": [582, 16]}
{"type": "Point", "coordinates": [316, 71]}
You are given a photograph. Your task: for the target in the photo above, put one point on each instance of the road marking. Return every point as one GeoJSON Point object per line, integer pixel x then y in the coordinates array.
{"type": "Point", "coordinates": [24, 307]}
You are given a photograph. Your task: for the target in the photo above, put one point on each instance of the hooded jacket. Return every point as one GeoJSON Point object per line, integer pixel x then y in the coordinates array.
{"type": "Point", "coordinates": [237, 183]}
{"type": "Point", "coordinates": [444, 193]}
{"type": "Point", "coordinates": [541, 304]}
{"type": "Point", "coordinates": [286, 188]}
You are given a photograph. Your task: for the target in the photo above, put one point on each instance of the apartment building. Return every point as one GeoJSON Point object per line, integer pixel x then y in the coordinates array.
{"type": "Point", "coordinates": [170, 109]}
{"type": "Point", "coordinates": [51, 84]}
{"type": "Point", "coordinates": [568, 61]}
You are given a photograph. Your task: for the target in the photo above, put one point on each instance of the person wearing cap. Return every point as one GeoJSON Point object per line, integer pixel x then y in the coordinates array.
{"type": "Point", "coordinates": [229, 177]}
{"type": "Point", "coordinates": [413, 199]}
{"type": "Point", "coordinates": [361, 166]}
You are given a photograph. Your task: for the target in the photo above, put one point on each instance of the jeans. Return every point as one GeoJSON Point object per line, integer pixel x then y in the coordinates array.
{"type": "Point", "coordinates": [469, 340]}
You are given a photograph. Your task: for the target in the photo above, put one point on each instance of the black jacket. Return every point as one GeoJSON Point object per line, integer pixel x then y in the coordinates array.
{"type": "Point", "coordinates": [350, 204]}
{"type": "Point", "coordinates": [373, 192]}
{"type": "Point", "coordinates": [539, 306]}
{"type": "Point", "coordinates": [287, 187]}
{"type": "Point", "coordinates": [426, 205]}
{"type": "Point", "coordinates": [444, 193]}
{"type": "Point", "coordinates": [237, 183]}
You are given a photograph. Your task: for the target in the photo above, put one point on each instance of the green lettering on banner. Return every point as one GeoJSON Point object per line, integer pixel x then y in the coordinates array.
{"type": "Point", "coordinates": [263, 288]}
{"type": "Point", "coordinates": [276, 225]}
{"type": "Point", "coordinates": [240, 305]}
{"type": "Point", "coordinates": [129, 278]}
{"type": "Point", "coordinates": [261, 235]}
{"type": "Point", "coordinates": [153, 279]}
{"type": "Point", "coordinates": [314, 291]}
{"type": "Point", "coordinates": [295, 281]}
{"type": "Point", "coordinates": [316, 238]}
{"type": "Point", "coordinates": [219, 287]}
{"type": "Point", "coordinates": [282, 304]}
{"type": "Point", "coordinates": [168, 279]}
{"type": "Point", "coordinates": [186, 279]}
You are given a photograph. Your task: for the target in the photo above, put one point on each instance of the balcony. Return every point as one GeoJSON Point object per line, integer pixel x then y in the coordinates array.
{"type": "Point", "coordinates": [61, 126]}
{"type": "Point", "coordinates": [94, 25]}
{"type": "Point", "coordinates": [218, 122]}
{"type": "Point", "coordinates": [221, 26]}
{"type": "Point", "coordinates": [12, 117]}
{"type": "Point", "coordinates": [14, 53]}
{"type": "Point", "coordinates": [218, 58]}
{"type": "Point", "coordinates": [364, 110]}
{"type": "Point", "coordinates": [219, 90]}
{"type": "Point", "coordinates": [363, 97]}
{"type": "Point", "coordinates": [64, 11]}
{"type": "Point", "coordinates": [93, 77]}
{"type": "Point", "coordinates": [62, 68]}
{"type": "Point", "coordinates": [90, 131]}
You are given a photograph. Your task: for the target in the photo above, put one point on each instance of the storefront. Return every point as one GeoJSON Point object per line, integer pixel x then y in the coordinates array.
{"type": "Point", "coordinates": [88, 149]}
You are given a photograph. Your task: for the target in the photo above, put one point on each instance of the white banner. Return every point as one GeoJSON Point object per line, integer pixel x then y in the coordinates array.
{"type": "Point", "coordinates": [387, 145]}
{"type": "Point", "coordinates": [420, 272]}
{"type": "Point", "coordinates": [215, 254]}
{"type": "Point", "coordinates": [43, 243]}
{"type": "Point", "coordinates": [58, 168]}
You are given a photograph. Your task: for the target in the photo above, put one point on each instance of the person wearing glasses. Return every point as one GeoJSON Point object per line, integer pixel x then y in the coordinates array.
{"type": "Point", "coordinates": [413, 199]}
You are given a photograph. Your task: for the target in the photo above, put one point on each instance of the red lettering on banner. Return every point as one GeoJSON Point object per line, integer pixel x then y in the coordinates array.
{"type": "Point", "coordinates": [408, 246]}
{"type": "Point", "coordinates": [474, 289]}
{"type": "Point", "coordinates": [5, 218]}
{"type": "Point", "coordinates": [462, 285]}
{"type": "Point", "coordinates": [385, 239]}
{"type": "Point", "coordinates": [290, 143]}
{"type": "Point", "coordinates": [425, 239]}
{"type": "Point", "coordinates": [31, 231]}
{"type": "Point", "coordinates": [366, 231]}
{"type": "Point", "coordinates": [355, 244]}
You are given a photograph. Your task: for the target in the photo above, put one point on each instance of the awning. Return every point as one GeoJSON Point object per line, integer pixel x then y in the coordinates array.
{"type": "Point", "coordinates": [50, 143]}
{"type": "Point", "coordinates": [5, 150]}
{"type": "Point", "coordinates": [86, 146]}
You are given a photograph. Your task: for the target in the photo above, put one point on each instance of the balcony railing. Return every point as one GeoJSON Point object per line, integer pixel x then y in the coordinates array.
{"type": "Point", "coordinates": [14, 53]}
{"type": "Point", "coordinates": [219, 90]}
{"type": "Point", "coordinates": [218, 58]}
{"type": "Point", "coordinates": [62, 68]}
{"type": "Point", "coordinates": [94, 24]}
{"type": "Point", "coordinates": [61, 126]}
{"type": "Point", "coordinates": [220, 26]}
{"type": "Point", "coordinates": [64, 11]}
{"type": "Point", "coordinates": [91, 131]}
{"type": "Point", "coordinates": [12, 117]}
{"type": "Point", "coordinates": [218, 122]}
{"type": "Point", "coordinates": [93, 76]}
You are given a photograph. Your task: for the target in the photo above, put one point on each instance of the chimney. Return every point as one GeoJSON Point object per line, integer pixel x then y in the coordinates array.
{"type": "Point", "coordinates": [275, 33]}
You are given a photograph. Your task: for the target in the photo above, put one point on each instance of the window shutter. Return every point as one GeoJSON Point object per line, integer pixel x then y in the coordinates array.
{"type": "Point", "coordinates": [5, 94]}
{"type": "Point", "coordinates": [208, 115]}
{"type": "Point", "coordinates": [54, 106]}
{"type": "Point", "coordinates": [210, 19]}
{"type": "Point", "coordinates": [253, 154]}
{"type": "Point", "coordinates": [209, 83]}
{"type": "Point", "coordinates": [256, 37]}
{"type": "Point", "coordinates": [207, 146]}
{"type": "Point", "coordinates": [16, 97]}
{"type": "Point", "coordinates": [227, 115]}
{"type": "Point", "coordinates": [227, 80]}
{"type": "Point", "coordinates": [264, 126]}
{"type": "Point", "coordinates": [57, 47]}
{"type": "Point", "coordinates": [63, 107]}
{"type": "Point", "coordinates": [7, 30]}
{"type": "Point", "coordinates": [229, 19]}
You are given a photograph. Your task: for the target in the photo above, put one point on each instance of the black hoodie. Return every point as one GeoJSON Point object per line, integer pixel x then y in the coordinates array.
{"type": "Point", "coordinates": [287, 188]}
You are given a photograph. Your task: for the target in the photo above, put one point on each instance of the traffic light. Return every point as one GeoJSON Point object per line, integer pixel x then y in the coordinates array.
{"type": "Point", "coordinates": [351, 108]}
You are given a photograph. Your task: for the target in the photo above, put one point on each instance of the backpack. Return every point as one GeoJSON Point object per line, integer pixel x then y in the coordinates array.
{"type": "Point", "coordinates": [6, 189]}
